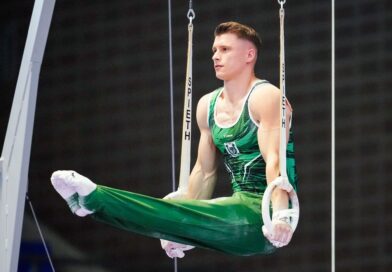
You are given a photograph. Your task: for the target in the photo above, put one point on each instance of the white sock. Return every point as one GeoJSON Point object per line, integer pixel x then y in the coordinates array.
{"type": "Point", "coordinates": [59, 184]}
{"type": "Point", "coordinates": [82, 212]}
{"type": "Point", "coordinates": [83, 185]}
{"type": "Point", "coordinates": [73, 202]}
{"type": "Point", "coordinates": [70, 185]}
{"type": "Point", "coordinates": [74, 182]}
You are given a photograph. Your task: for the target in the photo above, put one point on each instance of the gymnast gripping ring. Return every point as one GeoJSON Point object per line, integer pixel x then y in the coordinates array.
{"type": "Point", "coordinates": [293, 213]}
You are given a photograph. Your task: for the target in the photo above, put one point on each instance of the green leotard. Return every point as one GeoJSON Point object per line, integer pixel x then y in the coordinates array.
{"type": "Point", "coordinates": [239, 146]}
{"type": "Point", "coordinates": [226, 224]}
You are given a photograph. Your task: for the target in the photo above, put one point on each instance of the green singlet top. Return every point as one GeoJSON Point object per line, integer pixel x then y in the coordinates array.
{"type": "Point", "coordinates": [239, 145]}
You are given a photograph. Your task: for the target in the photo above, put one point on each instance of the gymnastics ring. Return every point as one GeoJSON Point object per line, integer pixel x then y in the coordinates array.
{"type": "Point", "coordinates": [293, 213]}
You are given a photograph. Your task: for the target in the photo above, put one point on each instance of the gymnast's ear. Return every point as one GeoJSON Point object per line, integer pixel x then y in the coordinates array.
{"type": "Point", "coordinates": [251, 54]}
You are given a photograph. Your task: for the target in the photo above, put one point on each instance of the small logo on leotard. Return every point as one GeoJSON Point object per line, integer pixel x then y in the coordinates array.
{"type": "Point", "coordinates": [232, 149]}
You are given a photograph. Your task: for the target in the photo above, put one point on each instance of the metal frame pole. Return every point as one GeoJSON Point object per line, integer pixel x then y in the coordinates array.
{"type": "Point", "coordinates": [15, 157]}
{"type": "Point", "coordinates": [333, 141]}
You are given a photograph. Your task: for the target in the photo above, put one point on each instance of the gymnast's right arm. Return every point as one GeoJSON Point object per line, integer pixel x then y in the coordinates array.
{"type": "Point", "coordinates": [204, 173]}
{"type": "Point", "coordinates": [203, 176]}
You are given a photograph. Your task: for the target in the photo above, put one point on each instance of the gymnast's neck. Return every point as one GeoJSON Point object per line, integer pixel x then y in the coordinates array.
{"type": "Point", "coordinates": [237, 88]}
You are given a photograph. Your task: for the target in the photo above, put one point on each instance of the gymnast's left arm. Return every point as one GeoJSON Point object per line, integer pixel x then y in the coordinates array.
{"type": "Point", "coordinates": [265, 109]}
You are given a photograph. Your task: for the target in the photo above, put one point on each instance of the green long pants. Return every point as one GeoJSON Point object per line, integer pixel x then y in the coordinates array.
{"type": "Point", "coordinates": [228, 224]}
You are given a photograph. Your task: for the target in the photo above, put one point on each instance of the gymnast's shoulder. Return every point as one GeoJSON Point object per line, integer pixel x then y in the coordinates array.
{"type": "Point", "coordinates": [203, 109]}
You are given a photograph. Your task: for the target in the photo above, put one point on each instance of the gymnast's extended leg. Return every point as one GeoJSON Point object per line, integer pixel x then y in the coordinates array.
{"type": "Point", "coordinates": [229, 224]}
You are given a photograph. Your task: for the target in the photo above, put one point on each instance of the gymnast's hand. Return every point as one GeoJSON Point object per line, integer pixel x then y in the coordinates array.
{"type": "Point", "coordinates": [173, 249]}
{"type": "Point", "coordinates": [282, 232]}
{"type": "Point", "coordinates": [179, 194]}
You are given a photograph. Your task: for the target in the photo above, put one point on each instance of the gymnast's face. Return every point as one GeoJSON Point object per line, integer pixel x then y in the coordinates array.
{"type": "Point", "coordinates": [232, 56]}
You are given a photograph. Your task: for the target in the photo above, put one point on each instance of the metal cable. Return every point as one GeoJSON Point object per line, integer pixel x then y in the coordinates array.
{"type": "Point", "coordinates": [171, 98]}
{"type": "Point", "coordinates": [333, 137]}
{"type": "Point", "coordinates": [171, 92]}
{"type": "Point", "coordinates": [40, 232]}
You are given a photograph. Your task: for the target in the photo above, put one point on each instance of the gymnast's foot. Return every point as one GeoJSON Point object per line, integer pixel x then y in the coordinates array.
{"type": "Point", "coordinates": [70, 185]}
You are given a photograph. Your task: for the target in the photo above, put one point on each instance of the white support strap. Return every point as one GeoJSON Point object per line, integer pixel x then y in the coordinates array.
{"type": "Point", "coordinates": [187, 115]}
{"type": "Point", "coordinates": [283, 136]}
{"type": "Point", "coordinates": [282, 181]}
{"type": "Point", "coordinates": [15, 155]}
